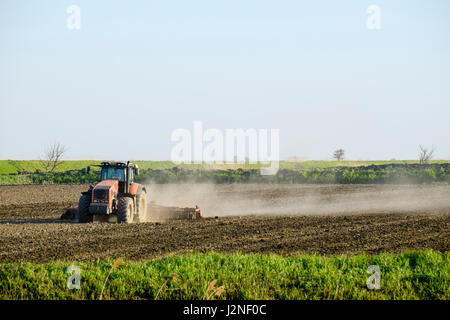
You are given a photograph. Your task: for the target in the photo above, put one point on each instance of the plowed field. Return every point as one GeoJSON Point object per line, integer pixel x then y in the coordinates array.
{"type": "Point", "coordinates": [325, 219]}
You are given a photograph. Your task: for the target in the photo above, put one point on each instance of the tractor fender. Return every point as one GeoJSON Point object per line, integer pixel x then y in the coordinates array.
{"type": "Point", "coordinates": [137, 189]}
{"type": "Point", "coordinates": [134, 188]}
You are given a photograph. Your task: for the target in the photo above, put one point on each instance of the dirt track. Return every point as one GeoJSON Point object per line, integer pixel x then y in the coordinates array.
{"type": "Point", "coordinates": [419, 218]}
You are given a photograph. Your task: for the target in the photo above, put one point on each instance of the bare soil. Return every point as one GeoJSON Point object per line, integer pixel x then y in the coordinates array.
{"type": "Point", "coordinates": [324, 219]}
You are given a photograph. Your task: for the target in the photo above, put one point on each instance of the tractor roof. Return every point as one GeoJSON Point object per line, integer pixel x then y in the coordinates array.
{"type": "Point", "coordinates": [118, 164]}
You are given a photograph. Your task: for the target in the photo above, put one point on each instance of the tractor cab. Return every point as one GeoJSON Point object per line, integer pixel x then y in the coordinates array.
{"type": "Point", "coordinates": [123, 172]}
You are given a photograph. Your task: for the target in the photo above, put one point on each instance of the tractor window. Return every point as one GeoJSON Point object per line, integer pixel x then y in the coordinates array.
{"type": "Point", "coordinates": [113, 173]}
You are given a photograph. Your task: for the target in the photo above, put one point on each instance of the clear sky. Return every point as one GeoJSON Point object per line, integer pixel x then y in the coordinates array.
{"type": "Point", "coordinates": [137, 70]}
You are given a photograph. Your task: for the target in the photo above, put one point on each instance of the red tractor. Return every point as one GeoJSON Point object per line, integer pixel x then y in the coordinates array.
{"type": "Point", "coordinates": [115, 194]}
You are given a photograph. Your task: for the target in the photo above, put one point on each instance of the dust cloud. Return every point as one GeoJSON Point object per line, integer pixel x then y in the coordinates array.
{"type": "Point", "coordinates": [267, 199]}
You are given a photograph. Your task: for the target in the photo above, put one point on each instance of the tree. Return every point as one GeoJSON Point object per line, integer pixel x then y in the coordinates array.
{"type": "Point", "coordinates": [426, 154]}
{"type": "Point", "coordinates": [52, 156]}
{"type": "Point", "coordinates": [339, 154]}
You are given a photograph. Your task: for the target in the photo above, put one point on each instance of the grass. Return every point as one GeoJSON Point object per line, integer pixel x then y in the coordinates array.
{"type": "Point", "coordinates": [16, 166]}
{"type": "Point", "coordinates": [408, 275]}
{"type": "Point", "coordinates": [389, 174]}
{"type": "Point", "coordinates": [317, 164]}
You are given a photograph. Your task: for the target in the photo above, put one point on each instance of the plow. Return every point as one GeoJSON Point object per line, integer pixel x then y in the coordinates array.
{"type": "Point", "coordinates": [174, 213]}
{"type": "Point", "coordinates": [117, 198]}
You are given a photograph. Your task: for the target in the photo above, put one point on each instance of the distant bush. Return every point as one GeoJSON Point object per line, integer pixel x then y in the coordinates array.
{"type": "Point", "coordinates": [69, 177]}
{"type": "Point", "coordinates": [416, 174]}
{"type": "Point", "coordinates": [387, 174]}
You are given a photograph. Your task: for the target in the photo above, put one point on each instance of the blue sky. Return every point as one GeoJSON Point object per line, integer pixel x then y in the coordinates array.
{"type": "Point", "coordinates": [137, 70]}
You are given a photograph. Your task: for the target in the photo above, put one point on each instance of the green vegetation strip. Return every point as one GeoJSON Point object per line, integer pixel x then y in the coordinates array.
{"type": "Point", "coordinates": [409, 275]}
{"type": "Point", "coordinates": [392, 174]}
{"type": "Point", "coordinates": [340, 172]}
{"type": "Point", "coordinates": [31, 166]}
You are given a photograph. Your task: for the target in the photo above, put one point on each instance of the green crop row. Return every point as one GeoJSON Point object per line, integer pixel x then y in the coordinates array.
{"type": "Point", "coordinates": [408, 275]}
{"type": "Point", "coordinates": [32, 166]}
{"type": "Point", "coordinates": [400, 174]}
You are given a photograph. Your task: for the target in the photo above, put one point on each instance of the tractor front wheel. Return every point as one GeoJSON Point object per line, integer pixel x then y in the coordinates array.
{"type": "Point", "coordinates": [83, 214]}
{"type": "Point", "coordinates": [125, 211]}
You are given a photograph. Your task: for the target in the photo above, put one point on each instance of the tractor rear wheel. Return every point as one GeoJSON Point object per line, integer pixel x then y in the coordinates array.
{"type": "Point", "coordinates": [125, 211]}
{"type": "Point", "coordinates": [141, 201]}
{"type": "Point", "coordinates": [83, 214]}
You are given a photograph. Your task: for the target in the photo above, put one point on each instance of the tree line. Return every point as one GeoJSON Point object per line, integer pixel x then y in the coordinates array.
{"type": "Point", "coordinates": [388, 173]}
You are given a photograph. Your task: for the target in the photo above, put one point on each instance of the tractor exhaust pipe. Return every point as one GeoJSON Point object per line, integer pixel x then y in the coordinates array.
{"type": "Point", "coordinates": [127, 178]}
